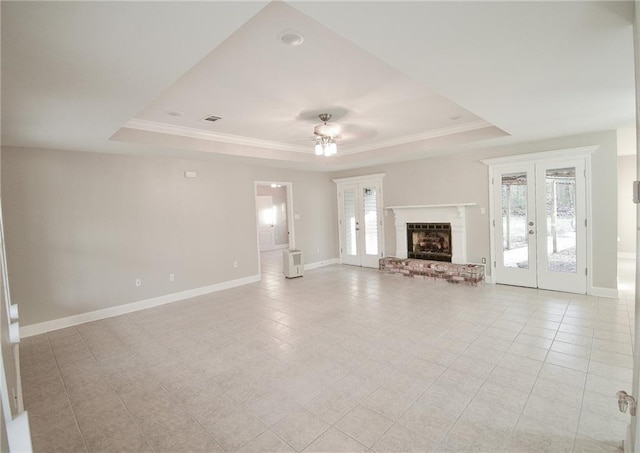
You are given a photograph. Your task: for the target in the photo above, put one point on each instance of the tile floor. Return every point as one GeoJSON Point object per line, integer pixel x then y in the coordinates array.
{"type": "Point", "coordinates": [342, 359]}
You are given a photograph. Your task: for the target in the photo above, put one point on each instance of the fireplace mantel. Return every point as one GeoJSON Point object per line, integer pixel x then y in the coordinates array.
{"type": "Point", "coordinates": [442, 213]}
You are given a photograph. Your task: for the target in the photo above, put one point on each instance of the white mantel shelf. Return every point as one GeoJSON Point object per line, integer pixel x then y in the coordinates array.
{"type": "Point", "coordinates": [462, 205]}
{"type": "Point", "coordinates": [441, 213]}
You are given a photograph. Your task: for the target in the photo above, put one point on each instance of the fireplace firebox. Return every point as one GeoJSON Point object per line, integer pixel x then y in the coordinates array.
{"type": "Point", "coordinates": [429, 241]}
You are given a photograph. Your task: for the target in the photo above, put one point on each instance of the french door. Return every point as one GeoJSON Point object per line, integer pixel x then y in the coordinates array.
{"type": "Point", "coordinates": [360, 221]}
{"type": "Point", "coordinates": [539, 220]}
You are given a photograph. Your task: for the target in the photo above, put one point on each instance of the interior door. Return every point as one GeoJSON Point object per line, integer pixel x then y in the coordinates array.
{"type": "Point", "coordinates": [540, 225]}
{"type": "Point", "coordinates": [266, 222]}
{"type": "Point", "coordinates": [360, 223]}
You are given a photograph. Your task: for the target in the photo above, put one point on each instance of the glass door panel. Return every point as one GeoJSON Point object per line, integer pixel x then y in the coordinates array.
{"type": "Point", "coordinates": [515, 248]}
{"type": "Point", "coordinates": [370, 207]}
{"type": "Point", "coordinates": [350, 222]}
{"type": "Point", "coordinates": [561, 219]}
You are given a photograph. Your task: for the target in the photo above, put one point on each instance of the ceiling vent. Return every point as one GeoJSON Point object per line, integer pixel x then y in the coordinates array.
{"type": "Point", "coordinates": [212, 118]}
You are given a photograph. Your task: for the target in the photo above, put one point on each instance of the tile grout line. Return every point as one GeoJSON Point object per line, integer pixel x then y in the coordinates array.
{"type": "Point", "coordinates": [66, 390]}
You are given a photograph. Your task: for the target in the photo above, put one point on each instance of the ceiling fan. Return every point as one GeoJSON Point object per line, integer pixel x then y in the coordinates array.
{"type": "Point", "coordinates": [325, 135]}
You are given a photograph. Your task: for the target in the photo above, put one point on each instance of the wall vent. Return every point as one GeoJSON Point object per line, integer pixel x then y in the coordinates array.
{"type": "Point", "coordinates": [212, 118]}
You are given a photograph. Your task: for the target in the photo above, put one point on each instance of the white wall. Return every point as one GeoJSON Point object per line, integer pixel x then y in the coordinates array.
{"type": "Point", "coordinates": [462, 178]}
{"type": "Point", "coordinates": [626, 207]}
{"type": "Point", "coordinates": [81, 227]}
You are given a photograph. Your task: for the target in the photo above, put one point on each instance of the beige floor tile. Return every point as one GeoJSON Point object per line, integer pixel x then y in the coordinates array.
{"type": "Point", "coordinates": [333, 440]}
{"type": "Point", "coordinates": [474, 367]}
{"type": "Point", "coordinates": [267, 442]}
{"type": "Point", "coordinates": [330, 406]}
{"type": "Point", "coordinates": [512, 379]}
{"type": "Point", "coordinates": [300, 428]}
{"type": "Point", "coordinates": [389, 403]}
{"type": "Point", "coordinates": [554, 390]}
{"type": "Point", "coordinates": [467, 436]}
{"type": "Point", "coordinates": [530, 437]}
{"type": "Point", "coordinates": [604, 385]}
{"type": "Point", "coordinates": [603, 429]}
{"type": "Point", "coordinates": [586, 445]}
{"type": "Point", "coordinates": [235, 428]}
{"type": "Point", "coordinates": [552, 413]}
{"type": "Point", "coordinates": [563, 375]}
{"type": "Point", "coordinates": [364, 425]}
{"type": "Point", "coordinates": [349, 345]}
{"type": "Point", "coordinates": [613, 358]}
{"type": "Point", "coordinates": [568, 361]}
{"type": "Point", "coordinates": [401, 439]}
{"type": "Point", "coordinates": [430, 422]}
{"type": "Point", "coordinates": [530, 352]}
{"type": "Point", "coordinates": [612, 371]}
{"type": "Point", "coordinates": [605, 405]}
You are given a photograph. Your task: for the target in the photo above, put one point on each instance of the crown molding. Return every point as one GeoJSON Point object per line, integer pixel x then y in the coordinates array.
{"type": "Point", "coordinates": [163, 128]}
{"type": "Point", "coordinates": [444, 131]}
{"type": "Point", "coordinates": [181, 131]}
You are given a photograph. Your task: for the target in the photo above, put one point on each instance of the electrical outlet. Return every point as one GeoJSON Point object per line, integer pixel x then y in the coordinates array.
{"type": "Point", "coordinates": [484, 261]}
{"type": "Point", "coordinates": [235, 264]}
{"type": "Point", "coordinates": [138, 282]}
{"type": "Point", "coordinates": [172, 277]}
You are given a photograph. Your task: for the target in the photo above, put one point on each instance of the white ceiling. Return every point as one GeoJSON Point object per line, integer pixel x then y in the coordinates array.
{"type": "Point", "coordinates": [402, 79]}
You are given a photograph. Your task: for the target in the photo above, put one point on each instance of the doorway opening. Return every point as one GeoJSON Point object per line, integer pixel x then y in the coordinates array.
{"type": "Point", "coordinates": [274, 219]}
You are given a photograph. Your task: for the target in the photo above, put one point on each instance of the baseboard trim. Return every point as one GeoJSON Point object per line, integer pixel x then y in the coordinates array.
{"type": "Point", "coordinates": [55, 324]}
{"type": "Point", "coordinates": [627, 255]}
{"type": "Point", "coordinates": [611, 293]}
{"type": "Point", "coordinates": [317, 264]}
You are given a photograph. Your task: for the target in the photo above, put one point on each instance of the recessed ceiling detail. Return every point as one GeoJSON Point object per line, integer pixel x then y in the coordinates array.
{"type": "Point", "coordinates": [396, 95]}
{"type": "Point", "coordinates": [262, 90]}
{"type": "Point", "coordinates": [212, 118]}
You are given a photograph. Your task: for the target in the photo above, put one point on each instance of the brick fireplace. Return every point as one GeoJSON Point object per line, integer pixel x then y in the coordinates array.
{"type": "Point", "coordinates": [451, 214]}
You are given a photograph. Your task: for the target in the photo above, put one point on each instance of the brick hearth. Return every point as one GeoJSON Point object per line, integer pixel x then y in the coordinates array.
{"type": "Point", "coordinates": [470, 274]}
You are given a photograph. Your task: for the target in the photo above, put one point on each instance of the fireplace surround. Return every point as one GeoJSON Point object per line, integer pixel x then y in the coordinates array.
{"type": "Point", "coordinates": [453, 214]}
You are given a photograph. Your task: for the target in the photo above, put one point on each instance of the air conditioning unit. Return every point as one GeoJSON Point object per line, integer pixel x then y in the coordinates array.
{"type": "Point", "coordinates": [292, 263]}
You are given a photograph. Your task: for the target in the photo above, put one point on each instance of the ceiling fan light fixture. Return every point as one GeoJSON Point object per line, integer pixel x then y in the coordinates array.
{"type": "Point", "coordinates": [326, 146]}
{"type": "Point", "coordinates": [325, 133]}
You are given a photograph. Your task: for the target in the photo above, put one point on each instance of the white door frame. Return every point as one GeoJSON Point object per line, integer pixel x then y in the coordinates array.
{"type": "Point", "coordinates": [290, 216]}
{"type": "Point", "coordinates": [583, 152]}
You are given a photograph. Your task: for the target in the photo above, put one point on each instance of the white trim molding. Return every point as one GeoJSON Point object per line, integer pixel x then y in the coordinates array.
{"type": "Point", "coordinates": [318, 264]}
{"type": "Point", "coordinates": [55, 324]}
{"type": "Point", "coordinates": [609, 293]}
{"type": "Point", "coordinates": [569, 153]}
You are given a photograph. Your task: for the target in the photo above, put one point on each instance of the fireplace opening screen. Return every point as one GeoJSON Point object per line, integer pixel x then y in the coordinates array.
{"type": "Point", "coordinates": [429, 241]}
